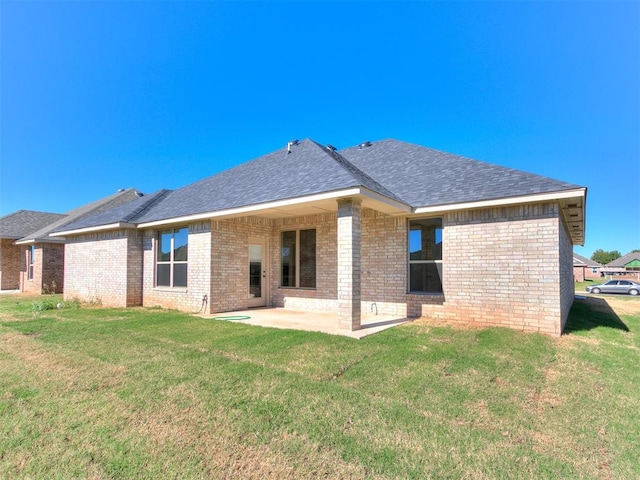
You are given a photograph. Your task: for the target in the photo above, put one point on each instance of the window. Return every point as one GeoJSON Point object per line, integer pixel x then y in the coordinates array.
{"type": "Point", "coordinates": [171, 262]}
{"type": "Point", "coordinates": [31, 254]}
{"type": "Point", "coordinates": [425, 255]}
{"type": "Point", "coordinates": [298, 258]}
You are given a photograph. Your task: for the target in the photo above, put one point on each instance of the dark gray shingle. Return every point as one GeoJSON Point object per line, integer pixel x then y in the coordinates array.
{"type": "Point", "coordinates": [423, 177]}
{"type": "Point", "coordinates": [18, 224]}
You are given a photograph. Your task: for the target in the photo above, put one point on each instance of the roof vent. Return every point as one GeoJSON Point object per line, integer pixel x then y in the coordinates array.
{"type": "Point", "coordinates": [292, 143]}
{"type": "Point", "coordinates": [120, 190]}
{"type": "Point", "coordinates": [364, 145]}
{"type": "Point", "coordinates": [332, 148]}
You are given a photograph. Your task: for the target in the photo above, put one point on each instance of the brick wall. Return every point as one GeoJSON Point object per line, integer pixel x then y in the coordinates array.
{"type": "Point", "coordinates": [104, 267]}
{"type": "Point", "coordinates": [31, 285]}
{"type": "Point", "coordinates": [52, 267]}
{"type": "Point", "coordinates": [384, 264]}
{"type": "Point", "coordinates": [230, 261]}
{"type": "Point", "coordinates": [324, 297]}
{"type": "Point", "coordinates": [503, 266]}
{"type": "Point", "coordinates": [9, 265]}
{"type": "Point", "coordinates": [198, 272]}
{"type": "Point", "coordinates": [567, 284]}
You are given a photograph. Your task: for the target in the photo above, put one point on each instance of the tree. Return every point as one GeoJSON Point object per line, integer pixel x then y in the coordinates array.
{"type": "Point", "coordinates": [603, 257]}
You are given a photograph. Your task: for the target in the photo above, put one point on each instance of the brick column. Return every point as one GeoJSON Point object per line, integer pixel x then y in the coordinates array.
{"type": "Point", "coordinates": [349, 227]}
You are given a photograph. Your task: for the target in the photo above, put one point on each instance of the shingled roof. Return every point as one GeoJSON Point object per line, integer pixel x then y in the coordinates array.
{"type": "Point", "coordinates": [18, 224]}
{"type": "Point", "coordinates": [94, 208]}
{"type": "Point", "coordinates": [624, 260]}
{"type": "Point", "coordinates": [401, 176]}
{"type": "Point", "coordinates": [122, 215]}
{"type": "Point", "coordinates": [424, 177]}
{"type": "Point", "coordinates": [580, 261]}
{"type": "Point", "coordinates": [309, 168]}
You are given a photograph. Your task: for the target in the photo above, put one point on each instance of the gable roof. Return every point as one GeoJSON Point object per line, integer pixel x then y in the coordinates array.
{"type": "Point", "coordinates": [389, 175]}
{"type": "Point", "coordinates": [624, 260]}
{"type": "Point", "coordinates": [18, 224]}
{"type": "Point", "coordinates": [102, 205]}
{"type": "Point", "coordinates": [580, 261]}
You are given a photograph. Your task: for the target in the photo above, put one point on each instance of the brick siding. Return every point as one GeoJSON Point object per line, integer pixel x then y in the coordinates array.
{"type": "Point", "coordinates": [508, 266]}
{"type": "Point", "coordinates": [104, 267]}
{"type": "Point", "coordinates": [9, 265]}
{"type": "Point", "coordinates": [188, 299]}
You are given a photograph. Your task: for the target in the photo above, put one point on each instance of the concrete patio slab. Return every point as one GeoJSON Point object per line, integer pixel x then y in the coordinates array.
{"type": "Point", "coordinates": [313, 322]}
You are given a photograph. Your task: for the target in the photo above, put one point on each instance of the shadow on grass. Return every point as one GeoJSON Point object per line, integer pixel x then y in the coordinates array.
{"type": "Point", "coordinates": [588, 313]}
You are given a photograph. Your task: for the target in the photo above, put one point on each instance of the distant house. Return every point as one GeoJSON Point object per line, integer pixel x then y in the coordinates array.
{"type": "Point", "coordinates": [41, 257]}
{"type": "Point", "coordinates": [404, 229]}
{"type": "Point", "coordinates": [13, 227]}
{"type": "Point", "coordinates": [629, 263]}
{"type": "Point", "coordinates": [584, 268]}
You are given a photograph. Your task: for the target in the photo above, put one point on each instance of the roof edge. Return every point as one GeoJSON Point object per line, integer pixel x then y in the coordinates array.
{"type": "Point", "coordinates": [536, 197]}
{"type": "Point", "coordinates": [98, 228]}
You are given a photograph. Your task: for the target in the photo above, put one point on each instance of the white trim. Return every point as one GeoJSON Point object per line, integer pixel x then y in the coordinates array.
{"type": "Point", "coordinates": [503, 201]}
{"type": "Point", "coordinates": [252, 208]}
{"type": "Point", "coordinates": [111, 226]}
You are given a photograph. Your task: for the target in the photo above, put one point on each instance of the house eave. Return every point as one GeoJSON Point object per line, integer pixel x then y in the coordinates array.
{"type": "Point", "coordinates": [97, 228]}
{"type": "Point", "coordinates": [573, 213]}
{"type": "Point", "coordinates": [287, 207]}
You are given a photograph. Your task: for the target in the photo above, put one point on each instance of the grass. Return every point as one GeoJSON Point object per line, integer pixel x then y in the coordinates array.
{"type": "Point", "coordinates": [140, 393]}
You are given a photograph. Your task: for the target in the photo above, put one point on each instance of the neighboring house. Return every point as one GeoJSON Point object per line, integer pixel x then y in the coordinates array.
{"type": "Point", "coordinates": [584, 268]}
{"type": "Point", "coordinates": [13, 227]}
{"type": "Point", "coordinates": [41, 257]}
{"type": "Point", "coordinates": [626, 264]}
{"type": "Point", "coordinates": [391, 226]}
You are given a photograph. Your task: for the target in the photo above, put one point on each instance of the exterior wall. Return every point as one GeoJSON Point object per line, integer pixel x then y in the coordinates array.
{"type": "Point", "coordinates": [324, 298]}
{"type": "Point", "coordinates": [31, 285]}
{"type": "Point", "coordinates": [188, 299]}
{"type": "Point", "coordinates": [230, 261]}
{"type": "Point", "coordinates": [507, 266]}
{"type": "Point", "coordinates": [384, 264]}
{"type": "Point", "coordinates": [52, 267]}
{"type": "Point", "coordinates": [567, 283]}
{"type": "Point", "coordinates": [102, 267]}
{"type": "Point", "coordinates": [48, 268]}
{"type": "Point", "coordinates": [579, 274]}
{"type": "Point", "coordinates": [9, 265]}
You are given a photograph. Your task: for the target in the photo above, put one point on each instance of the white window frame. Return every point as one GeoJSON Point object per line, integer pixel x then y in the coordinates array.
{"type": "Point", "coordinates": [31, 253]}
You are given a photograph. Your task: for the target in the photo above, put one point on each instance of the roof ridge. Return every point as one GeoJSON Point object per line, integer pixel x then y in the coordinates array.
{"type": "Point", "coordinates": [152, 199]}
{"type": "Point", "coordinates": [356, 172]}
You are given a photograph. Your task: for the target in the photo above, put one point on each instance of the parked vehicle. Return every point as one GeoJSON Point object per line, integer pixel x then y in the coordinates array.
{"type": "Point", "coordinates": [616, 286]}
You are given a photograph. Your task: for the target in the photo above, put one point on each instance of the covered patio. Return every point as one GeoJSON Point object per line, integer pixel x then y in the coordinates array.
{"type": "Point", "coordinates": [309, 321]}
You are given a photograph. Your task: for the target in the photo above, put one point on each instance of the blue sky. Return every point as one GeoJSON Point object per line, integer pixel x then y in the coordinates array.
{"type": "Point", "coordinates": [97, 96]}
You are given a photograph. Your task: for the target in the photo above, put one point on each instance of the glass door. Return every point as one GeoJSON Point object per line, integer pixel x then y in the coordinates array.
{"type": "Point", "coordinates": [257, 275]}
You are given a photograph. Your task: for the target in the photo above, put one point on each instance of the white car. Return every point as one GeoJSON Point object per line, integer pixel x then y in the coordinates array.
{"type": "Point", "coordinates": [616, 286]}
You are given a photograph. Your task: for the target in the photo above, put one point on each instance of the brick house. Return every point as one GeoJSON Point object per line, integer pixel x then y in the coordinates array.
{"type": "Point", "coordinates": [13, 227]}
{"type": "Point", "coordinates": [40, 258]}
{"type": "Point", "coordinates": [401, 228]}
{"type": "Point", "coordinates": [585, 268]}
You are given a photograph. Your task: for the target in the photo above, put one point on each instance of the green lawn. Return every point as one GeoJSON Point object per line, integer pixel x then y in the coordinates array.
{"type": "Point", "coordinates": [143, 393]}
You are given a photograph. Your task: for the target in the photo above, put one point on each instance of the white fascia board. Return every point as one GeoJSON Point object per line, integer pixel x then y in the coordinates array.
{"type": "Point", "coordinates": [99, 228]}
{"type": "Point", "coordinates": [25, 241]}
{"type": "Point", "coordinates": [541, 197]}
{"type": "Point", "coordinates": [254, 208]}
